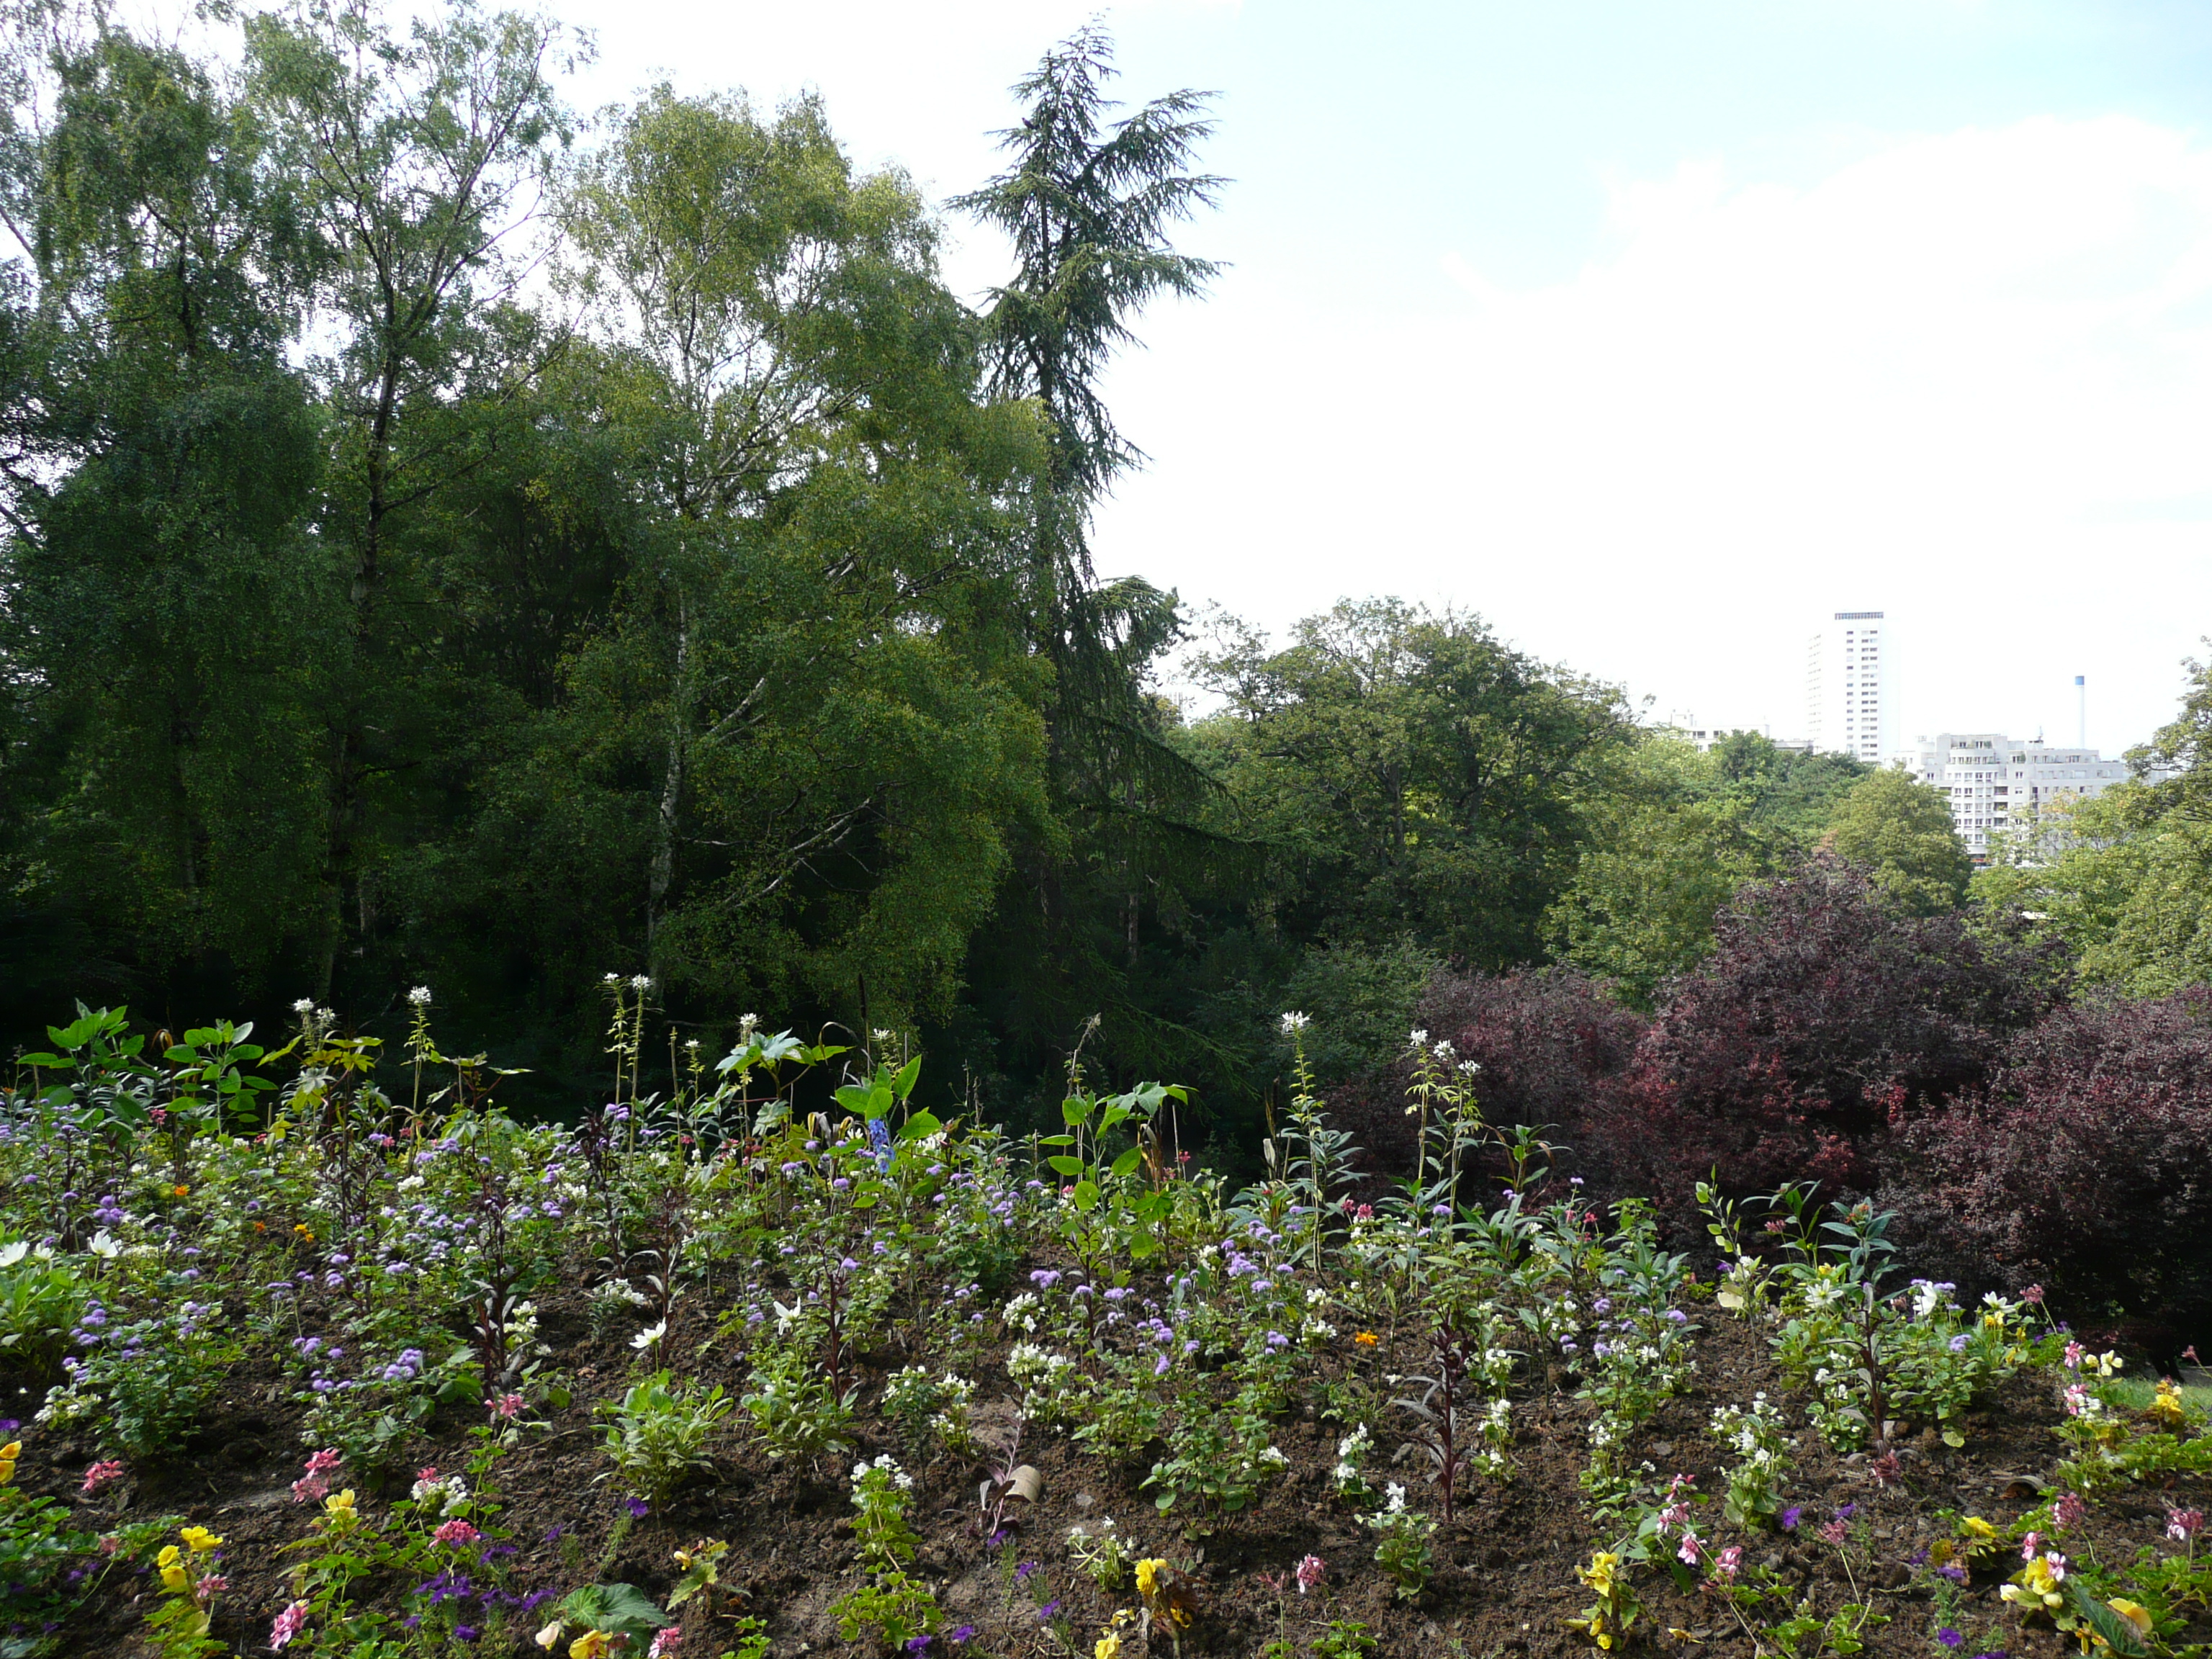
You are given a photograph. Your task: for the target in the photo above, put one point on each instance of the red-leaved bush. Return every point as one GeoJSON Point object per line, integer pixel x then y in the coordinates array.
{"type": "Point", "coordinates": [1554, 1051]}
{"type": "Point", "coordinates": [2085, 1164]}
{"type": "Point", "coordinates": [1820, 1016]}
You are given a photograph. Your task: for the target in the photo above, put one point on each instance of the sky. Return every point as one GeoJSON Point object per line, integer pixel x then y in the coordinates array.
{"type": "Point", "coordinates": [1655, 334]}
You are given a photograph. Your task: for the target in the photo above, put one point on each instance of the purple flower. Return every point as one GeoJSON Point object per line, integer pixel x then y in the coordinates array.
{"type": "Point", "coordinates": [919, 1644]}
{"type": "Point", "coordinates": [1023, 1571]}
{"type": "Point", "coordinates": [1847, 1511]}
{"type": "Point", "coordinates": [637, 1507]}
{"type": "Point", "coordinates": [964, 1633]}
{"type": "Point", "coordinates": [1047, 1610]}
{"type": "Point", "coordinates": [1790, 1517]}
{"type": "Point", "coordinates": [1949, 1638]}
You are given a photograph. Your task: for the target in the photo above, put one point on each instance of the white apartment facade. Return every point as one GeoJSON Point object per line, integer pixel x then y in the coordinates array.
{"type": "Point", "coordinates": [2000, 787]}
{"type": "Point", "coordinates": [1851, 687]}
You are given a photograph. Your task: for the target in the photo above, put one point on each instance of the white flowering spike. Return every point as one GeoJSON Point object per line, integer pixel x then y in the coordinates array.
{"type": "Point", "coordinates": [1294, 1023]}
{"type": "Point", "coordinates": [420, 996]}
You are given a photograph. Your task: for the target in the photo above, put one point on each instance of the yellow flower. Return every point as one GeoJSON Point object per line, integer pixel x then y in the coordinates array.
{"type": "Point", "coordinates": [2167, 1402]}
{"type": "Point", "coordinates": [1974, 1526]}
{"type": "Point", "coordinates": [2134, 1612]}
{"type": "Point", "coordinates": [1109, 1647]}
{"type": "Point", "coordinates": [169, 1558]}
{"type": "Point", "coordinates": [175, 1579]}
{"type": "Point", "coordinates": [11, 1451]}
{"type": "Point", "coordinates": [200, 1539]}
{"type": "Point", "coordinates": [1148, 1575]}
{"type": "Point", "coordinates": [304, 1230]}
{"type": "Point", "coordinates": [340, 1503]}
{"type": "Point", "coordinates": [592, 1645]}
{"type": "Point", "coordinates": [1599, 1574]}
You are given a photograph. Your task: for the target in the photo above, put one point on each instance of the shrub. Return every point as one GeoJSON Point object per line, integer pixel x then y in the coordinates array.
{"type": "Point", "coordinates": [658, 1436]}
{"type": "Point", "coordinates": [1822, 1014]}
{"type": "Point", "coordinates": [2085, 1164]}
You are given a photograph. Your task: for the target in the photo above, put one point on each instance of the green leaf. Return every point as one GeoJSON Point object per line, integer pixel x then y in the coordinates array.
{"type": "Point", "coordinates": [1086, 1196]}
{"type": "Point", "coordinates": [921, 1124]}
{"type": "Point", "coordinates": [903, 1085]}
{"type": "Point", "coordinates": [621, 1608]}
{"type": "Point", "coordinates": [1070, 1167]}
{"type": "Point", "coordinates": [1127, 1161]}
{"type": "Point", "coordinates": [1076, 1110]}
{"type": "Point", "coordinates": [2126, 1640]}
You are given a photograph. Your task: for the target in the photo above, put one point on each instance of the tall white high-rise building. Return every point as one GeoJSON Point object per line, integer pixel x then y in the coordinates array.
{"type": "Point", "coordinates": [1851, 687]}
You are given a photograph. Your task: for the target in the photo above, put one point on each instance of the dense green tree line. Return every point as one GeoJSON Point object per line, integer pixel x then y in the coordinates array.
{"type": "Point", "coordinates": [450, 543]}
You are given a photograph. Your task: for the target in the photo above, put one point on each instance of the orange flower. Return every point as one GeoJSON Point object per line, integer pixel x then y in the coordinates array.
{"type": "Point", "coordinates": [179, 1191]}
{"type": "Point", "coordinates": [1366, 1339]}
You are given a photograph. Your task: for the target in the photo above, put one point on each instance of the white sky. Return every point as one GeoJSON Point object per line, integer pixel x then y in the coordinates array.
{"type": "Point", "coordinates": [1652, 333]}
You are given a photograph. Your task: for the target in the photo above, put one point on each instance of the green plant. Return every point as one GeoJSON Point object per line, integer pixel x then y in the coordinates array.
{"type": "Point", "coordinates": [145, 1384]}
{"type": "Point", "coordinates": [897, 1606]}
{"type": "Point", "coordinates": [190, 1584]}
{"type": "Point", "coordinates": [1345, 1638]}
{"type": "Point", "coordinates": [1760, 1443]}
{"type": "Point", "coordinates": [883, 1493]}
{"type": "Point", "coordinates": [659, 1437]}
{"type": "Point", "coordinates": [1401, 1548]}
{"type": "Point", "coordinates": [41, 1294]}
{"type": "Point", "coordinates": [795, 1412]}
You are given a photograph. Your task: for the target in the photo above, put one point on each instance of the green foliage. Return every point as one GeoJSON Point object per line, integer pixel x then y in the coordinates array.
{"type": "Point", "coordinates": [1900, 831]}
{"type": "Point", "coordinates": [659, 1437]}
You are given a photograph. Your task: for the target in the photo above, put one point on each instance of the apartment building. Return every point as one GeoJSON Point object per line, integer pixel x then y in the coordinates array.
{"type": "Point", "coordinates": [1998, 786]}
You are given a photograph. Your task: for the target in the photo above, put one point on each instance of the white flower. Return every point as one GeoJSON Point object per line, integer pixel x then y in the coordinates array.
{"type": "Point", "coordinates": [420, 996]}
{"type": "Point", "coordinates": [1294, 1023]}
{"type": "Point", "coordinates": [1275, 1457]}
{"type": "Point", "coordinates": [304, 1006]}
{"type": "Point", "coordinates": [545, 1639]}
{"type": "Point", "coordinates": [104, 1247]}
{"type": "Point", "coordinates": [609, 979]}
{"type": "Point", "coordinates": [640, 981]}
{"type": "Point", "coordinates": [1394, 1495]}
{"type": "Point", "coordinates": [650, 1335]}
{"type": "Point", "coordinates": [1420, 1039]}
{"type": "Point", "coordinates": [1469, 1067]}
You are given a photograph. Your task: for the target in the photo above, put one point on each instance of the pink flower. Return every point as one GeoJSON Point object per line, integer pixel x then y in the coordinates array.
{"type": "Point", "coordinates": [310, 1489]}
{"type": "Point", "coordinates": [1309, 1572]}
{"type": "Point", "coordinates": [2032, 1296]}
{"type": "Point", "coordinates": [1728, 1562]}
{"type": "Point", "coordinates": [2031, 1546]}
{"type": "Point", "coordinates": [322, 1462]}
{"type": "Point", "coordinates": [507, 1408]}
{"type": "Point", "coordinates": [2070, 1512]}
{"type": "Point", "coordinates": [1837, 1531]}
{"type": "Point", "coordinates": [99, 1475]}
{"type": "Point", "coordinates": [214, 1584]}
{"type": "Point", "coordinates": [288, 1624]}
{"type": "Point", "coordinates": [456, 1532]}
{"type": "Point", "coordinates": [667, 1641]}
{"type": "Point", "coordinates": [2073, 1355]}
{"type": "Point", "coordinates": [428, 1473]}
{"type": "Point", "coordinates": [1693, 1550]}
{"type": "Point", "coordinates": [2078, 1401]}
{"type": "Point", "coordinates": [2057, 1563]}
{"type": "Point", "coordinates": [2181, 1525]}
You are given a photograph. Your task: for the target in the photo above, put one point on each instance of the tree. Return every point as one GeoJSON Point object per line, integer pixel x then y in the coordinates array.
{"type": "Point", "coordinates": [1673, 832]}
{"type": "Point", "coordinates": [160, 595]}
{"type": "Point", "coordinates": [413, 158]}
{"type": "Point", "coordinates": [1900, 830]}
{"type": "Point", "coordinates": [1416, 777]}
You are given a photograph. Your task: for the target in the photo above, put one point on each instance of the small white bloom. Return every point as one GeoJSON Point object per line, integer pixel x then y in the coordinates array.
{"type": "Point", "coordinates": [1294, 1023]}
{"type": "Point", "coordinates": [650, 1335]}
{"type": "Point", "coordinates": [420, 996]}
